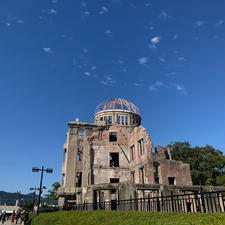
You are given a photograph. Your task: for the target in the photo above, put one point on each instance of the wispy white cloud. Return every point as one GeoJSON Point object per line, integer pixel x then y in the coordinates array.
{"type": "Point", "coordinates": [108, 32]}
{"type": "Point", "coordinates": [143, 60]}
{"type": "Point", "coordinates": [88, 74]}
{"type": "Point", "coordinates": [52, 11]}
{"type": "Point", "coordinates": [180, 88]}
{"type": "Point", "coordinates": [154, 42]}
{"type": "Point", "coordinates": [199, 23]}
{"type": "Point", "coordinates": [94, 67]}
{"type": "Point", "coordinates": [154, 87]}
{"type": "Point", "coordinates": [147, 4]}
{"type": "Point", "coordinates": [181, 58]}
{"type": "Point", "coordinates": [175, 36]}
{"type": "Point", "coordinates": [164, 15]}
{"type": "Point", "coordinates": [103, 10]}
{"type": "Point", "coordinates": [161, 59]}
{"type": "Point", "coordinates": [84, 4]}
{"type": "Point", "coordinates": [138, 83]}
{"type": "Point", "coordinates": [172, 86]}
{"type": "Point", "coordinates": [8, 24]}
{"type": "Point", "coordinates": [220, 22]}
{"type": "Point", "coordinates": [107, 81]}
{"type": "Point", "coordinates": [48, 50]}
{"type": "Point", "coordinates": [86, 13]}
{"type": "Point", "coordinates": [20, 21]}
{"type": "Point", "coordinates": [54, 1]}
{"type": "Point", "coordinates": [85, 50]}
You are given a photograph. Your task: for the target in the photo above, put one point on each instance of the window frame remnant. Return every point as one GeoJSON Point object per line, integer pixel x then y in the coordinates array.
{"type": "Point", "coordinates": [112, 136]}
{"type": "Point", "coordinates": [118, 119]}
{"type": "Point", "coordinates": [132, 175]}
{"type": "Point", "coordinates": [110, 119]}
{"type": "Point", "coordinates": [79, 179]}
{"type": "Point", "coordinates": [63, 179]}
{"type": "Point", "coordinates": [114, 159]}
{"type": "Point", "coordinates": [122, 120]}
{"type": "Point", "coordinates": [80, 132]}
{"type": "Point", "coordinates": [167, 155]}
{"type": "Point", "coordinates": [156, 172]}
{"type": "Point", "coordinates": [171, 180]}
{"type": "Point", "coordinates": [132, 152]}
{"type": "Point", "coordinates": [126, 120]}
{"type": "Point", "coordinates": [141, 146]}
{"type": "Point", "coordinates": [114, 180]}
{"type": "Point", "coordinates": [142, 175]}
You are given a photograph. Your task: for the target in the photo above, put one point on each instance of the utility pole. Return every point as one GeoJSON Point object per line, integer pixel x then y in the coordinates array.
{"type": "Point", "coordinates": [37, 169]}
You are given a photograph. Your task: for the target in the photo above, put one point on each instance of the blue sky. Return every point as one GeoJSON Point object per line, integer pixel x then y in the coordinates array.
{"type": "Point", "coordinates": [60, 59]}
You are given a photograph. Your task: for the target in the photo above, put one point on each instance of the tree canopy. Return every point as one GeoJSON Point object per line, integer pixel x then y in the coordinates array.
{"type": "Point", "coordinates": [52, 193]}
{"type": "Point", "coordinates": [207, 163]}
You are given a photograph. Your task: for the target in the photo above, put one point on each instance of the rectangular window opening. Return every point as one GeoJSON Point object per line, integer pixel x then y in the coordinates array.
{"type": "Point", "coordinates": [118, 119]}
{"type": "Point", "coordinates": [105, 118]}
{"type": "Point", "coordinates": [132, 176]}
{"type": "Point", "coordinates": [171, 180]}
{"type": "Point", "coordinates": [113, 191]}
{"type": "Point", "coordinates": [126, 120]}
{"type": "Point", "coordinates": [156, 172]}
{"type": "Point", "coordinates": [114, 180]}
{"type": "Point", "coordinates": [114, 159]}
{"type": "Point", "coordinates": [63, 179]}
{"type": "Point", "coordinates": [79, 179]}
{"type": "Point", "coordinates": [101, 118]}
{"type": "Point", "coordinates": [132, 152]}
{"type": "Point", "coordinates": [110, 119]}
{"type": "Point", "coordinates": [142, 176]}
{"type": "Point", "coordinates": [112, 136]}
{"type": "Point", "coordinates": [122, 119]}
{"type": "Point", "coordinates": [167, 155]}
{"type": "Point", "coordinates": [141, 146]}
{"type": "Point", "coordinates": [81, 132]}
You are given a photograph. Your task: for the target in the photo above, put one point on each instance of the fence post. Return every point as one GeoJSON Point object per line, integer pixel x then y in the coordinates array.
{"type": "Point", "coordinates": [203, 200]}
{"type": "Point", "coordinates": [218, 198]}
{"type": "Point", "coordinates": [172, 201]}
{"type": "Point", "coordinates": [130, 202]}
{"type": "Point", "coordinates": [149, 202]}
{"type": "Point", "coordinates": [158, 203]}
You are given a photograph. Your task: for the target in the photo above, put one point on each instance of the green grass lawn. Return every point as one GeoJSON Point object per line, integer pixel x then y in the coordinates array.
{"type": "Point", "coordinates": [127, 218]}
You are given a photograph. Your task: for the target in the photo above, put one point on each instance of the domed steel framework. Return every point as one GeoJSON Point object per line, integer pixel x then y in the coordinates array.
{"type": "Point", "coordinates": [117, 103]}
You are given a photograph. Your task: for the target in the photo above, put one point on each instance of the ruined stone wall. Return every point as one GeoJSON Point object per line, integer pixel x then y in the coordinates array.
{"type": "Point", "coordinates": [140, 160]}
{"type": "Point", "coordinates": [102, 148]}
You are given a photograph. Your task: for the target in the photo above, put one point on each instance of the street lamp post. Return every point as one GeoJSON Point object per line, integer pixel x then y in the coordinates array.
{"type": "Point", "coordinates": [37, 169]}
{"type": "Point", "coordinates": [34, 194]}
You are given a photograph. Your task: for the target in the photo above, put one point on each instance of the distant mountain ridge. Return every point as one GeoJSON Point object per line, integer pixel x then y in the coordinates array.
{"type": "Point", "coordinates": [9, 198]}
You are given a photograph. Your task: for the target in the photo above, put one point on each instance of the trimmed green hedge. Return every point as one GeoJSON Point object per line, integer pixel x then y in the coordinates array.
{"type": "Point", "coordinates": [127, 218]}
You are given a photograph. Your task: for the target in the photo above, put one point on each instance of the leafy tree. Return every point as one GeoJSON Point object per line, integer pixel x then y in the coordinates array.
{"type": "Point", "coordinates": [28, 205]}
{"type": "Point", "coordinates": [52, 194]}
{"type": "Point", "coordinates": [207, 164]}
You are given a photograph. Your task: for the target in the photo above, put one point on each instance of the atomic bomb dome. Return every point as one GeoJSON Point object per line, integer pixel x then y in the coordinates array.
{"type": "Point", "coordinates": [117, 104]}
{"type": "Point", "coordinates": [118, 111]}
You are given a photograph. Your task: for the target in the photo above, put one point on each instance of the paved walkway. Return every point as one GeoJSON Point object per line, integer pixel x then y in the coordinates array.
{"type": "Point", "coordinates": [8, 222]}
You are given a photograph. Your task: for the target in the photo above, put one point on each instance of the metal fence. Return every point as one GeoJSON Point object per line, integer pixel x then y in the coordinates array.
{"type": "Point", "coordinates": [188, 202]}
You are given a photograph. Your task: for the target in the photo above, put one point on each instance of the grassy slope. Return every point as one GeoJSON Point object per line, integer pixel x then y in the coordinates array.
{"type": "Point", "coordinates": [127, 218]}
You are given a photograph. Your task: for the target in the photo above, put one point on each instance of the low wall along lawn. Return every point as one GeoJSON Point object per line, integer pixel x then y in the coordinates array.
{"type": "Point", "coordinates": [127, 218]}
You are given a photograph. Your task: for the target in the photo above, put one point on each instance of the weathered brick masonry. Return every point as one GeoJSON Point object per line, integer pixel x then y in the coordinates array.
{"type": "Point", "coordinates": [114, 156]}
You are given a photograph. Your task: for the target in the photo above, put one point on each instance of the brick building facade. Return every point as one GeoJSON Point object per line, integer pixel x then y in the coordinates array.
{"type": "Point", "coordinates": [113, 152]}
